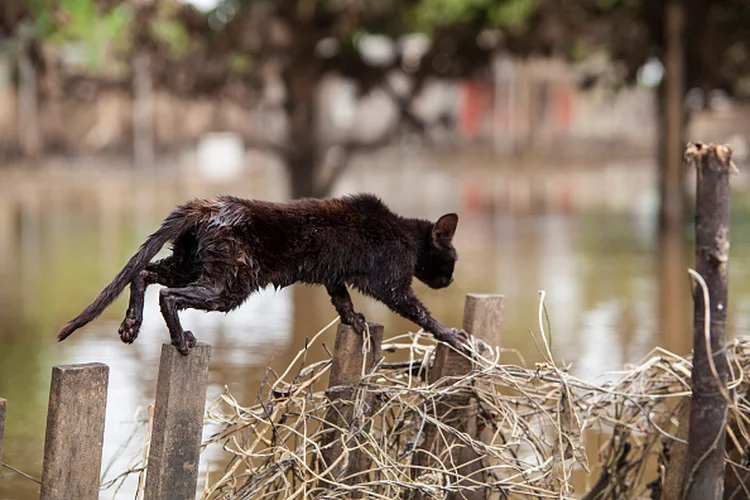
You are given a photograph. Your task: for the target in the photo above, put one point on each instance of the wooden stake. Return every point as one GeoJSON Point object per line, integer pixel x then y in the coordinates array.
{"type": "Point", "coordinates": [172, 470]}
{"type": "Point", "coordinates": [708, 408]}
{"type": "Point", "coordinates": [351, 358]}
{"type": "Point", "coordinates": [483, 318]}
{"type": "Point", "coordinates": [75, 432]}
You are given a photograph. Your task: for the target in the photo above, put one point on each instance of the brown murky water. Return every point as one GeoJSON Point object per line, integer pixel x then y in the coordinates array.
{"type": "Point", "coordinates": [64, 235]}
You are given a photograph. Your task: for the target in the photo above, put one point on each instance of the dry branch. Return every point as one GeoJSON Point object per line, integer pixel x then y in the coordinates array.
{"type": "Point", "coordinates": [275, 452]}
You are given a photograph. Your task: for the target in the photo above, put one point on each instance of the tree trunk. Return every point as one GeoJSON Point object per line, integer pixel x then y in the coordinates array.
{"type": "Point", "coordinates": [141, 68]}
{"type": "Point", "coordinates": [28, 107]}
{"type": "Point", "coordinates": [301, 78]}
{"type": "Point", "coordinates": [143, 119]}
{"type": "Point", "coordinates": [672, 199]}
{"type": "Point", "coordinates": [54, 139]}
{"type": "Point", "coordinates": [302, 169]}
{"type": "Point", "coordinates": [672, 256]}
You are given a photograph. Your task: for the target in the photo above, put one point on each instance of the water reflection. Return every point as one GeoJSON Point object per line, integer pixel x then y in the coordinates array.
{"type": "Point", "coordinates": [58, 247]}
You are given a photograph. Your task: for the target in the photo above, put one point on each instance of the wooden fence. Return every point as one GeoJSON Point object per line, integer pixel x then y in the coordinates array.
{"type": "Point", "coordinates": [78, 399]}
{"type": "Point", "coordinates": [75, 428]}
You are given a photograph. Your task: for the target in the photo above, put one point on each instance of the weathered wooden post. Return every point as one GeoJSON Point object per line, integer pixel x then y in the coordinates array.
{"type": "Point", "coordinates": [75, 432]}
{"type": "Point", "coordinates": [2, 427]}
{"type": "Point", "coordinates": [351, 358]}
{"type": "Point", "coordinates": [483, 318]}
{"type": "Point", "coordinates": [172, 469]}
{"type": "Point", "coordinates": [708, 407]}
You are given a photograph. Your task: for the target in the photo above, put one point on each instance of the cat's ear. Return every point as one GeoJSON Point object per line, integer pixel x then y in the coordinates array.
{"type": "Point", "coordinates": [444, 229]}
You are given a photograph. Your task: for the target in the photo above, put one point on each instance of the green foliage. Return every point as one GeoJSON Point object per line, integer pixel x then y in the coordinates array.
{"type": "Point", "coordinates": [578, 51]}
{"type": "Point", "coordinates": [511, 13]}
{"type": "Point", "coordinates": [172, 35]}
{"type": "Point", "coordinates": [239, 63]}
{"type": "Point", "coordinates": [429, 15]}
{"type": "Point", "coordinates": [80, 22]}
{"type": "Point", "coordinates": [607, 5]}
{"type": "Point", "coordinates": [434, 13]}
{"type": "Point", "coordinates": [742, 87]}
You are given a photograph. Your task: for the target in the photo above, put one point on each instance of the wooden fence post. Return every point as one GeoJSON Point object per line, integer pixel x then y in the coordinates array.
{"type": "Point", "coordinates": [708, 406]}
{"type": "Point", "coordinates": [172, 469]}
{"type": "Point", "coordinates": [75, 432]}
{"type": "Point", "coordinates": [350, 360]}
{"type": "Point", "coordinates": [2, 426]}
{"type": "Point", "coordinates": [483, 318]}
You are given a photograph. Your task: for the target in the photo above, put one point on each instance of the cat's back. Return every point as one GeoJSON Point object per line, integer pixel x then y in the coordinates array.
{"type": "Point", "coordinates": [367, 204]}
{"type": "Point", "coordinates": [343, 211]}
{"type": "Point", "coordinates": [230, 210]}
{"type": "Point", "coordinates": [364, 207]}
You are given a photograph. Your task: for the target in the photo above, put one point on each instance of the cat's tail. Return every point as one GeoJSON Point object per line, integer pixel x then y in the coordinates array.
{"type": "Point", "coordinates": [172, 227]}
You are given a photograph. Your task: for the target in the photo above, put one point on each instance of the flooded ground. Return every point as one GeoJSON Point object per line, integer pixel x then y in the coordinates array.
{"type": "Point", "coordinates": [64, 234]}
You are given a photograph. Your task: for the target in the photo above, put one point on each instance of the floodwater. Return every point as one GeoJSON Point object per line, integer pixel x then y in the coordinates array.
{"type": "Point", "coordinates": [64, 235]}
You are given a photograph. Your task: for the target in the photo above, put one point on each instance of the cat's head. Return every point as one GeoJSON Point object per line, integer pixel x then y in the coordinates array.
{"type": "Point", "coordinates": [437, 257]}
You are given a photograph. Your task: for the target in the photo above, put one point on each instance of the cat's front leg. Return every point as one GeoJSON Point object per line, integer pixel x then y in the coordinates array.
{"type": "Point", "coordinates": [342, 301]}
{"type": "Point", "coordinates": [406, 303]}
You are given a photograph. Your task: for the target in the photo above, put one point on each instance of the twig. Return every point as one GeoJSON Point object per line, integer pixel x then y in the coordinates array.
{"type": "Point", "coordinates": [21, 473]}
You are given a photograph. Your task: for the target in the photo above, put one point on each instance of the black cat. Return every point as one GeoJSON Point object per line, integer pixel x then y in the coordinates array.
{"type": "Point", "coordinates": [226, 249]}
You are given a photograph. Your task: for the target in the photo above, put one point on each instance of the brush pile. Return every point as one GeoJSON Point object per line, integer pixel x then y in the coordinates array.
{"type": "Point", "coordinates": [543, 432]}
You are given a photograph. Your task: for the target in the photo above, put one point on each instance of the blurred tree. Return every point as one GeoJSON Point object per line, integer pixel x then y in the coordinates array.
{"type": "Point", "coordinates": [12, 12]}
{"type": "Point", "coordinates": [238, 49]}
{"type": "Point", "coordinates": [13, 15]}
{"type": "Point", "coordinates": [701, 44]}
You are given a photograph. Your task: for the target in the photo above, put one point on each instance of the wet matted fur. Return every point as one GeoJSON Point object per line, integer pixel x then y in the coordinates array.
{"type": "Point", "coordinates": [227, 248]}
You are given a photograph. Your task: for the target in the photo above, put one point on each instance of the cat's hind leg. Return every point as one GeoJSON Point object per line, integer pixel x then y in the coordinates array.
{"type": "Point", "coordinates": [342, 301]}
{"type": "Point", "coordinates": [206, 297]}
{"type": "Point", "coordinates": [155, 273]}
{"type": "Point", "coordinates": [131, 325]}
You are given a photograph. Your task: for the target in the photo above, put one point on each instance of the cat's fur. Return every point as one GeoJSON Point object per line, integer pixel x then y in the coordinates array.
{"type": "Point", "coordinates": [226, 249]}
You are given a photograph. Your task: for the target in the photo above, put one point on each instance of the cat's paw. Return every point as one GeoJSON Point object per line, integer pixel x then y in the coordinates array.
{"type": "Point", "coordinates": [190, 339]}
{"type": "Point", "coordinates": [358, 322]}
{"type": "Point", "coordinates": [456, 338]}
{"type": "Point", "coordinates": [181, 344]}
{"type": "Point", "coordinates": [129, 329]}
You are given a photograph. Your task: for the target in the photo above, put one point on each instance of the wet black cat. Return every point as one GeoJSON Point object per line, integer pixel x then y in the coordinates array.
{"type": "Point", "coordinates": [226, 249]}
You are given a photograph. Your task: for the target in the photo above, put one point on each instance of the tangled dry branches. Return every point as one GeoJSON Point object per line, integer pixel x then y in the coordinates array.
{"type": "Point", "coordinates": [544, 432]}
